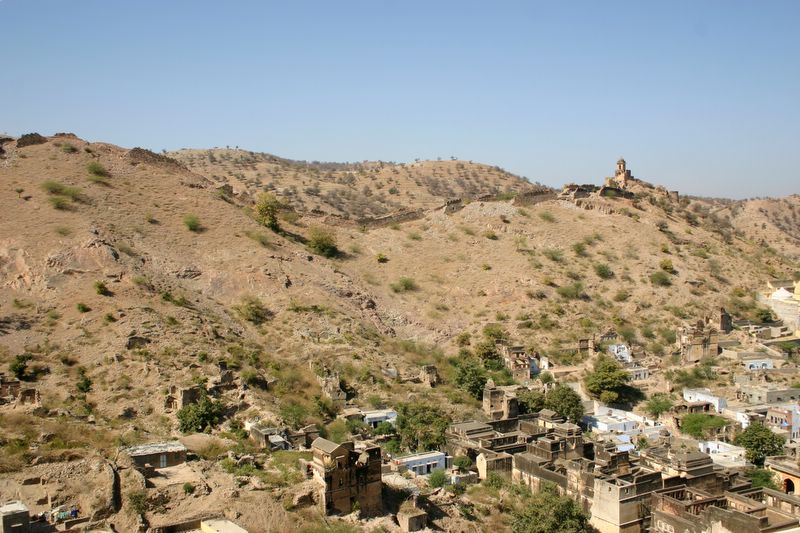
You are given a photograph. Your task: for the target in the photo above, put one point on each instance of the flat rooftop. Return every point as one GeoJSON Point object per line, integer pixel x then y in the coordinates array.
{"type": "Point", "coordinates": [155, 447]}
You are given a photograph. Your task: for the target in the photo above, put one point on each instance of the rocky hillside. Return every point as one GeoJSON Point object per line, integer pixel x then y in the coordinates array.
{"type": "Point", "coordinates": [123, 272]}
{"type": "Point", "coordinates": [354, 190]}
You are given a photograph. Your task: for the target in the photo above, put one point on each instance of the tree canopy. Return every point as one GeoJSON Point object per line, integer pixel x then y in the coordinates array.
{"type": "Point", "coordinates": [609, 382]}
{"type": "Point", "coordinates": [421, 426]}
{"type": "Point", "coordinates": [701, 425]}
{"type": "Point", "coordinates": [547, 512]}
{"type": "Point", "coordinates": [471, 376]}
{"type": "Point", "coordinates": [200, 416]}
{"type": "Point", "coordinates": [760, 442]}
{"type": "Point", "coordinates": [566, 402]}
{"type": "Point", "coordinates": [657, 404]}
{"type": "Point", "coordinates": [266, 210]}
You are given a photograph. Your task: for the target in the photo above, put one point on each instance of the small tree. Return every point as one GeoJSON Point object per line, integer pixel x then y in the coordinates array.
{"type": "Point", "coordinates": [531, 401]}
{"type": "Point", "coordinates": [566, 402]}
{"type": "Point", "coordinates": [421, 426]}
{"type": "Point", "coordinates": [547, 512]}
{"type": "Point", "coordinates": [200, 416]}
{"type": "Point", "coordinates": [438, 478]}
{"type": "Point", "coordinates": [19, 366]}
{"type": "Point", "coordinates": [266, 210]}
{"type": "Point", "coordinates": [322, 241]}
{"type": "Point", "coordinates": [471, 377]}
{"type": "Point", "coordinates": [760, 442]}
{"type": "Point", "coordinates": [657, 404]}
{"type": "Point", "coordinates": [607, 380]}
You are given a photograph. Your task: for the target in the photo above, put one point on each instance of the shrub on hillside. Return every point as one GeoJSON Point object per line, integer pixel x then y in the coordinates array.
{"type": "Point", "coordinates": [192, 223]}
{"type": "Point", "coordinates": [29, 139]}
{"type": "Point", "coordinates": [322, 241]}
{"type": "Point", "coordinates": [200, 416]}
{"type": "Point", "coordinates": [660, 278]}
{"type": "Point", "coordinates": [252, 310]}
{"type": "Point", "coordinates": [404, 284]}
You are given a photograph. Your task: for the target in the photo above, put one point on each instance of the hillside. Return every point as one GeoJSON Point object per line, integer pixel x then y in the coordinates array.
{"type": "Point", "coordinates": [355, 190]}
{"type": "Point", "coordinates": [137, 271]}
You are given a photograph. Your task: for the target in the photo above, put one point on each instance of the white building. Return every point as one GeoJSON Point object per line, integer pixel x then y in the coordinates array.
{"type": "Point", "coordinates": [723, 453]}
{"type": "Point", "coordinates": [375, 417]}
{"type": "Point", "coordinates": [705, 395]}
{"type": "Point", "coordinates": [757, 363]}
{"type": "Point", "coordinates": [621, 353]}
{"type": "Point", "coordinates": [424, 463]}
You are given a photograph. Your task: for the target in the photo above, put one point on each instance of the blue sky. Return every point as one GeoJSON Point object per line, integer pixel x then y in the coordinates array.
{"type": "Point", "coordinates": [702, 96]}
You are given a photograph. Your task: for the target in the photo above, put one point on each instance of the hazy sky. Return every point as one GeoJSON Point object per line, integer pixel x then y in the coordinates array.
{"type": "Point", "coordinates": [702, 96]}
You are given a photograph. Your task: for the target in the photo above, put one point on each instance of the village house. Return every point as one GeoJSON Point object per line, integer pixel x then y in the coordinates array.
{"type": "Point", "coordinates": [723, 453]}
{"type": "Point", "coordinates": [705, 396]}
{"type": "Point", "coordinates": [517, 361]}
{"type": "Point", "coordinates": [374, 417]}
{"type": "Point", "coordinates": [158, 454]}
{"type": "Point", "coordinates": [784, 420]}
{"type": "Point", "coordinates": [621, 353]}
{"type": "Point", "coordinates": [756, 362]}
{"type": "Point", "coordinates": [14, 518]}
{"type": "Point", "coordinates": [766, 393]}
{"type": "Point", "coordinates": [349, 478]}
{"type": "Point", "coordinates": [270, 438]}
{"type": "Point", "coordinates": [423, 463]}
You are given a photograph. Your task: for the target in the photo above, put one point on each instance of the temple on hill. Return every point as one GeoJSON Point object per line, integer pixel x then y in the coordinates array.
{"type": "Point", "coordinates": [621, 176]}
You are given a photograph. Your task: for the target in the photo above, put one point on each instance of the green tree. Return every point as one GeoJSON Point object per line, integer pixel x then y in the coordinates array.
{"type": "Point", "coordinates": [547, 512]}
{"type": "Point", "coordinates": [760, 442]}
{"type": "Point", "coordinates": [607, 381]}
{"type": "Point", "coordinates": [700, 425]}
{"type": "Point", "coordinates": [566, 402]}
{"type": "Point", "coordinates": [657, 404]}
{"type": "Point", "coordinates": [470, 376]}
{"type": "Point", "coordinates": [531, 401]}
{"type": "Point", "coordinates": [487, 350]}
{"type": "Point", "coordinates": [438, 478]}
{"type": "Point", "coordinates": [421, 426]}
{"type": "Point", "coordinates": [266, 210]}
{"type": "Point", "coordinates": [462, 462]}
{"type": "Point", "coordinates": [200, 416]}
{"type": "Point", "coordinates": [322, 241]}
{"type": "Point", "coordinates": [761, 477]}
{"type": "Point", "coordinates": [19, 366]}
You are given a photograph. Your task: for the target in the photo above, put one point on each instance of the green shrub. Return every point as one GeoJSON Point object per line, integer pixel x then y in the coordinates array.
{"type": "Point", "coordinates": [96, 169]}
{"type": "Point", "coordinates": [701, 425]}
{"type": "Point", "coordinates": [381, 258]}
{"type": "Point", "coordinates": [188, 488]}
{"type": "Point", "coordinates": [554, 254]}
{"type": "Point", "coordinates": [101, 288]}
{"type": "Point", "coordinates": [192, 223]}
{"type": "Point", "coordinates": [84, 384]}
{"type": "Point", "coordinates": [200, 416]}
{"type": "Point", "coordinates": [404, 284]}
{"type": "Point", "coordinates": [547, 216]}
{"type": "Point", "coordinates": [252, 310]}
{"type": "Point", "coordinates": [603, 271]}
{"type": "Point", "coordinates": [19, 366]}
{"type": "Point", "coordinates": [83, 308]}
{"type": "Point", "coordinates": [59, 203]}
{"type": "Point", "coordinates": [580, 249]}
{"type": "Point", "coordinates": [322, 241]}
{"type": "Point", "coordinates": [492, 236]}
{"type": "Point", "coordinates": [660, 279]}
{"type": "Point", "coordinates": [573, 291]}
{"type": "Point", "coordinates": [266, 210]}
{"type": "Point", "coordinates": [137, 500]}
{"type": "Point", "coordinates": [666, 266]}
{"type": "Point", "coordinates": [259, 237]}
{"type": "Point", "coordinates": [437, 478]}
{"type": "Point", "coordinates": [68, 148]}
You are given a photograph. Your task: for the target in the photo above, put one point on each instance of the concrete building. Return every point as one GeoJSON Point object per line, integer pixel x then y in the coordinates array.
{"type": "Point", "coordinates": [499, 402]}
{"type": "Point", "coordinates": [724, 454]}
{"type": "Point", "coordinates": [376, 416]}
{"type": "Point", "coordinates": [517, 361]}
{"type": "Point", "coordinates": [688, 510]}
{"type": "Point", "coordinates": [349, 478]}
{"type": "Point", "coordinates": [706, 396]}
{"type": "Point", "coordinates": [423, 463]}
{"type": "Point", "coordinates": [270, 438]}
{"type": "Point", "coordinates": [784, 419]}
{"type": "Point", "coordinates": [621, 353]}
{"type": "Point", "coordinates": [158, 454]}
{"type": "Point", "coordinates": [766, 393]}
{"type": "Point", "coordinates": [14, 518]}
{"type": "Point", "coordinates": [757, 363]}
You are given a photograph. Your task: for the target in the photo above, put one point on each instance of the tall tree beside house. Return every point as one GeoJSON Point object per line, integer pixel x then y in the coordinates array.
{"type": "Point", "coordinates": [421, 426]}
{"type": "Point", "coordinates": [566, 402]}
{"type": "Point", "coordinates": [471, 377]}
{"type": "Point", "coordinates": [609, 382]}
{"type": "Point", "coordinates": [760, 442]}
